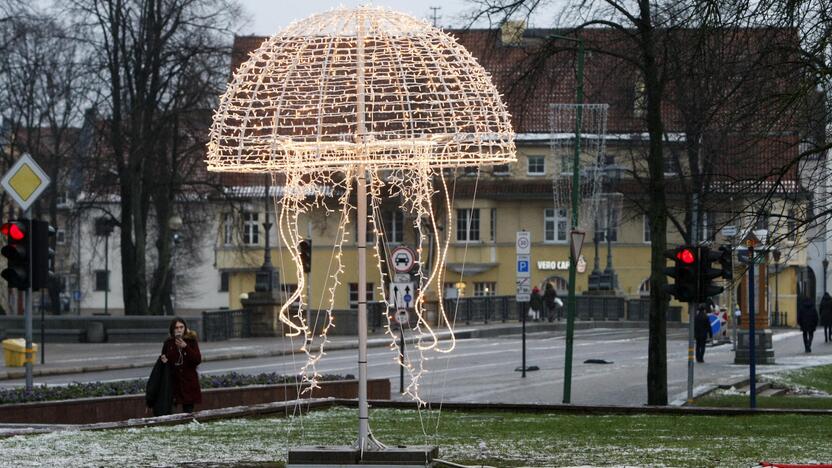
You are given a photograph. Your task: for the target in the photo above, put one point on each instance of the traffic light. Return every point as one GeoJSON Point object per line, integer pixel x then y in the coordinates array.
{"type": "Point", "coordinates": [305, 249]}
{"type": "Point", "coordinates": [42, 254]}
{"type": "Point", "coordinates": [684, 272]}
{"type": "Point", "coordinates": [17, 253]}
{"type": "Point", "coordinates": [708, 274]}
{"type": "Point", "coordinates": [727, 262]}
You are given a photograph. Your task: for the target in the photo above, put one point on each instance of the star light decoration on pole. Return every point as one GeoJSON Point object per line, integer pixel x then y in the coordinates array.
{"type": "Point", "coordinates": [356, 101]}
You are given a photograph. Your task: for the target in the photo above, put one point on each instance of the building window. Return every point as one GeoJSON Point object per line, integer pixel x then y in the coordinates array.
{"type": "Point", "coordinates": [354, 294]}
{"type": "Point", "coordinates": [644, 288]}
{"type": "Point", "coordinates": [537, 165]}
{"type": "Point", "coordinates": [468, 225]}
{"type": "Point", "coordinates": [102, 280]}
{"type": "Point", "coordinates": [554, 225]}
{"type": "Point", "coordinates": [502, 169]}
{"type": "Point", "coordinates": [493, 225]}
{"type": "Point", "coordinates": [647, 234]}
{"type": "Point", "coordinates": [60, 237]}
{"type": "Point", "coordinates": [371, 237]}
{"type": "Point", "coordinates": [251, 228]}
{"type": "Point", "coordinates": [228, 229]}
{"type": "Point", "coordinates": [394, 227]}
{"type": "Point", "coordinates": [708, 231]}
{"type": "Point", "coordinates": [485, 288]}
{"type": "Point", "coordinates": [791, 226]}
{"type": "Point", "coordinates": [762, 220]}
{"type": "Point", "coordinates": [224, 276]}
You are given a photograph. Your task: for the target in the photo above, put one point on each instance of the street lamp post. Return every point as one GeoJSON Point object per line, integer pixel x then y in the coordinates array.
{"type": "Point", "coordinates": [576, 178]}
{"type": "Point", "coordinates": [775, 254]}
{"type": "Point", "coordinates": [825, 268]}
{"type": "Point", "coordinates": [175, 225]}
{"type": "Point", "coordinates": [265, 276]}
{"type": "Point", "coordinates": [104, 227]}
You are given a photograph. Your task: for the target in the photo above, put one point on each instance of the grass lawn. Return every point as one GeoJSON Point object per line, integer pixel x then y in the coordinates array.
{"type": "Point", "coordinates": [506, 439]}
{"type": "Point", "coordinates": [810, 388]}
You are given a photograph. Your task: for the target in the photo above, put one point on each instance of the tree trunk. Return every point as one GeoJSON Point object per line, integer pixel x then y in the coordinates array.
{"type": "Point", "coordinates": [657, 346]}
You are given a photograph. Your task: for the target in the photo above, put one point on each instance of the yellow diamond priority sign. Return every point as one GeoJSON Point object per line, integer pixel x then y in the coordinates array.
{"type": "Point", "coordinates": [25, 181]}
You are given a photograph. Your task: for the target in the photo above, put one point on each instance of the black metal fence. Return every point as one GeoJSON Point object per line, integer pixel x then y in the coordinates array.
{"type": "Point", "coordinates": [504, 308]}
{"type": "Point", "coordinates": [219, 325]}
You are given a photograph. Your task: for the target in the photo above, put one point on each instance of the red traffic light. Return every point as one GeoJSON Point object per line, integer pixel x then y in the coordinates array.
{"type": "Point", "coordinates": [686, 256]}
{"type": "Point", "coordinates": [13, 231]}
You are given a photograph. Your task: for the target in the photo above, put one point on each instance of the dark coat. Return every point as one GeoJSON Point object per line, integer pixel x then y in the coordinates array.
{"type": "Point", "coordinates": [159, 390]}
{"type": "Point", "coordinates": [549, 295]}
{"type": "Point", "coordinates": [807, 315]}
{"type": "Point", "coordinates": [826, 310]}
{"type": "Point", "coordinates": [701, 326]}
{"type": "Point", "coordinates": [536, 301]}
{"type": "Point", "coordinates": [183, 368]}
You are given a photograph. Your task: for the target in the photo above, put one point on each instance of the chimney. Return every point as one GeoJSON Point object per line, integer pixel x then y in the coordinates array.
{"type": "Point", "coordinates": [511, 32]}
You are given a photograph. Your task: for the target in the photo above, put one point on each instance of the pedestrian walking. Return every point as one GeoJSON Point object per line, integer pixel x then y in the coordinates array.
{"type": "Point", "coordinates": [535, 304]}
{"type": "Point", "coordinates": [826, 317]}
{"type": "Point", "coordinates": [181, 353]}
{"type": "Point", "coordinates": [807, 318]}
{"type": "Point", "coordinates": [550, 297]}
{"type": "Point", "coordinates": [701, 332]}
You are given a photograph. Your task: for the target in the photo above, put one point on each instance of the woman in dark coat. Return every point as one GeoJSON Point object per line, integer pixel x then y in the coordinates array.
{"type": "Point", "coordinates": [181, 353]}
{"type": "Point", "coordinates": [826, 317]}
{"type": "Point", "coordinates": [701, 332]}
{"type": "Point", "coordinates": [807, 318]}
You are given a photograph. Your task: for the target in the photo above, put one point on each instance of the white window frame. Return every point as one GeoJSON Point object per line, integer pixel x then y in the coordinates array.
{"type": "Point", "coordinates": [353, 295]}
{"type": "Point", "coordinates": [228, 229]}
{"type": "Point", "coordinates": [251, 228]}
{"type": "Point", "coordinates": [551, 218]}
{"type": "Point", "coordinates": [394, 229]}
{"type": "Point", "coordinates": [493, 225]}
{"type": "Point", "coordinates": [536, 158]}
{"type": "Point", "coordinates": [646, 232]}
{"type": "Point", "coordinates": [468, 225]}
{"type": "Point", "coordinates": [485, 288]}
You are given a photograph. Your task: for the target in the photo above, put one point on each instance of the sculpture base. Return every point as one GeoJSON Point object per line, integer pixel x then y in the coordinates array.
{"type": "Point", "coordinates": [342, 456]}
{"type": "Point", "coordinates": [763, 347]}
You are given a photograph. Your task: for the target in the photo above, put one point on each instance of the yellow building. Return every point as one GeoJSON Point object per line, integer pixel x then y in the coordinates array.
{"type": "Point", "coordinates": [491, 204]}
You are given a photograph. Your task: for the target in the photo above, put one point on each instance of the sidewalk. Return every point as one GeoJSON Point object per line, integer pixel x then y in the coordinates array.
{"type": "Point", "coordinates": [75, 358]}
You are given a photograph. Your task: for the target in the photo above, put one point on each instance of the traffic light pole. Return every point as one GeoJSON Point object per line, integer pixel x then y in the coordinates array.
{"type": "Point", "coordinates": [27, 313]}
{"type": "Point", "coordinates": [694, 238]}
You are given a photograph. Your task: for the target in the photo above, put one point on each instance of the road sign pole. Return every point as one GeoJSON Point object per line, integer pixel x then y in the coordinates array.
{"type": "Point", "coordinates": [525, 313]}
{"type": "Point", "coordinates": [401, 359]}
{"type": "Point", "coordinates": [752, 364]}
{"type": "Point", "coordinates": [27, 313]}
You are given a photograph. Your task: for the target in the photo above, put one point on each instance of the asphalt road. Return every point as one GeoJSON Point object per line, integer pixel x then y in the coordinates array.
{"type": "Point", "coordinates": [483, 370]}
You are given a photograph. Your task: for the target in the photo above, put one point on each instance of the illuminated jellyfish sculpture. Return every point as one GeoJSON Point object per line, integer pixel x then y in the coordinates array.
{"type": "Point", "coordinates": [358, 102]}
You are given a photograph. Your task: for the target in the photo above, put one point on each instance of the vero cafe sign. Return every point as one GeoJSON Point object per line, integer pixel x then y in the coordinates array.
{"type": "Point", "coordinates": [553, 265]}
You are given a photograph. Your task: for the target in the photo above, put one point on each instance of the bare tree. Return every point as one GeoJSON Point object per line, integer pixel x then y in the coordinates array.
{"type": "Point", "coordinates": [160, 64]}
{"type": "Point", "coordinates": [44, 89]}
{"type": "Point", "coordinates": [703, 69]}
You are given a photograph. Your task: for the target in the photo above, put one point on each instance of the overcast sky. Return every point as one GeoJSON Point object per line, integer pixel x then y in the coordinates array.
{"type": "Point", "coordinates": [266, 17]}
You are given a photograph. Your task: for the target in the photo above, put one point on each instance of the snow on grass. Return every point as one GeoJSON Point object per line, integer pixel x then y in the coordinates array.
{"type": "Point", "coordinates": [490, 438]}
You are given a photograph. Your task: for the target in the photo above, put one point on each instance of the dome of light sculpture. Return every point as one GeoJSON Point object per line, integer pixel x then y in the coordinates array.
{"type": "Point", "coordinates": [295, 101]}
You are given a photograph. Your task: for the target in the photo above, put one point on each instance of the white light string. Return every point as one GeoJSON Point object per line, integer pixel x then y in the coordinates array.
{"type": "Point", "coordinates": [290, 109]}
